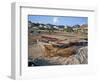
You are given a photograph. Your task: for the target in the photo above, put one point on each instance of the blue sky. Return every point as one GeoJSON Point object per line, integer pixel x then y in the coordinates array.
{"type": "Point", "coordinates": [58, 20]}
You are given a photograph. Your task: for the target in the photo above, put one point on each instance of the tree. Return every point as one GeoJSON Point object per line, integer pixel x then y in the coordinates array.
{"type": "Point", "coordinates": [69, 29]}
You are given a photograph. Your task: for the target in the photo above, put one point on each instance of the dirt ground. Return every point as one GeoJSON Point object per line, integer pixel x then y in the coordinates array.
{"type": "Point", "coordinates": [35, 51]}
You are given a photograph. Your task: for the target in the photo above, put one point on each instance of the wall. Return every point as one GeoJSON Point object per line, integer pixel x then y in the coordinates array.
{"type": "Point", "coordinates": [5, 39]}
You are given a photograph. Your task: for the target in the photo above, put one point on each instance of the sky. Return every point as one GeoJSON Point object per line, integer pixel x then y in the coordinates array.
{"type": "Point", "coordinates": [58, 20]}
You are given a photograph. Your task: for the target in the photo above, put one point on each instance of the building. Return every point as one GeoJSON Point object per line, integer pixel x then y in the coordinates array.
{"type": "Point", "coordinates": [83, 28]}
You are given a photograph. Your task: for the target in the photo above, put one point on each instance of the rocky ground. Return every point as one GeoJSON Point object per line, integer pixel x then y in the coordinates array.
{"type": "Point", "coordinates": [81, 57]}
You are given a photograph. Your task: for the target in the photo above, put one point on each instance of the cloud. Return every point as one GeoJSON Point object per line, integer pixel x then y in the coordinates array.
{"type": "Point", "coordinates": [55, 20]}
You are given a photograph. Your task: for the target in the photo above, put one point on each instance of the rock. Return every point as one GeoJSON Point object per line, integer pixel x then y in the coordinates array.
{"type": "Point", "coordinates": [80, 58]}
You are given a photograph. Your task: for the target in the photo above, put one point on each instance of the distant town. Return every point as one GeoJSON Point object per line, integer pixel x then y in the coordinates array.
{"type": "Point", "coordinates": [51, 28]}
